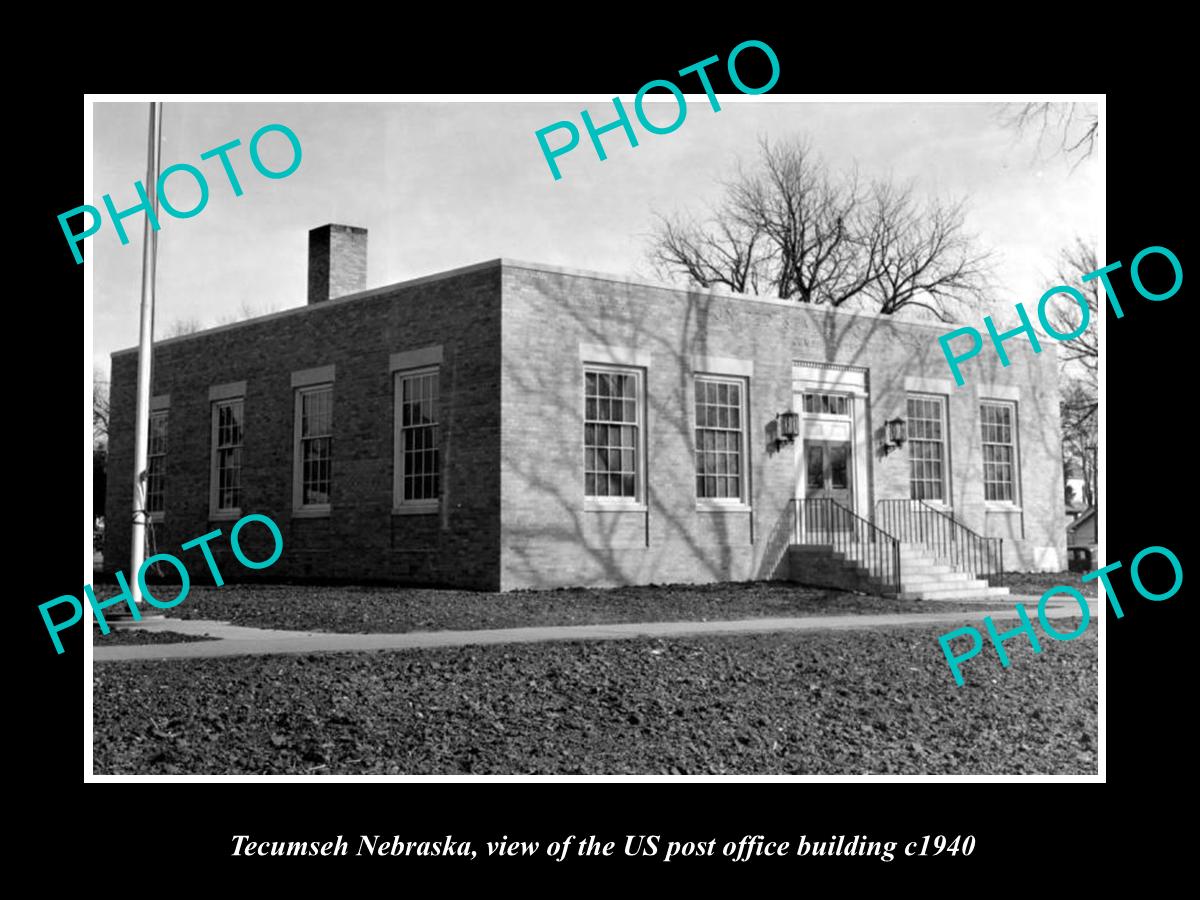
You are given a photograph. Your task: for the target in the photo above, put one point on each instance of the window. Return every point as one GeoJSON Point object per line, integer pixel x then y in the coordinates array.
{"type": "Point", "coordinates": [926, 447]}
{"type": "Point", "coordinates": [314, 448]}
{"type": "Point", "coordinates": [720, 439]}
{"type": "Point", "coordinates": [156, 466]}
{"type": "Point", "coordinates": [826, 404]}
{"type": "Point", "coordinates": [612, 434]}
{"type": "Point", "coordinates": [999, 451]}
{"type": "Point", "coordinates": [228, 418]}
{"type": "Point", "coordinates": [418, 462]}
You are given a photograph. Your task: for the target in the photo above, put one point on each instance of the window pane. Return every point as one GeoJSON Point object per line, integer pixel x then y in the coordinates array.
{"type": "Point", "coordinates": [999, 451]}
{"type": "Point", "coordinates": [719, 420]}
{"type": "Point", "coordinates": [816, 466]}
{"type": "Point", "coordinates": [610, 450]}
{"type": "Point", "coordinates": [837, 466]}
{"type": "Point", "coordinates": [316, 425]}
{"type": "Point", "coordinates": [419, 436]}
{"type": "Point", "coordinates": [156, 463]}
{"type": "Point", "coordinates": [228, 453]}
{"type": "Point", "coordinates": [926, 447]}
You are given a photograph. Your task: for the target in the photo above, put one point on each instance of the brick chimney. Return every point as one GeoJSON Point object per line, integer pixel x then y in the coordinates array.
{"type": "Point", "coordinates": [337, 262]}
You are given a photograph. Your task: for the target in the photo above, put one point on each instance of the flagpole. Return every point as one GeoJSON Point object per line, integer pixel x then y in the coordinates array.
{"type": "Point", "coordinates": [141, 443]}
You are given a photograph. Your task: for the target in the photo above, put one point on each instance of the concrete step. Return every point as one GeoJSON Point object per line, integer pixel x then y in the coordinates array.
{"type": "Point", "coordinates": [923, 577]}
{"type": "Point", "coordinates": [961, 584]}
{"type": "Point", "coordinates": [986, 593]}
{"type": "Point", "coordinates": [942, 586]}
{"type": "Point", "coordinates": [922, 568]}
{"type": "Point", "coordinates": [950, 576]}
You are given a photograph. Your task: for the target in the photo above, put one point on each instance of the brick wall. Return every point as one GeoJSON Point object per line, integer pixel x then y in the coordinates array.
{"type": "Point", "coordinates": [513, 511]}
{"type": "Point", "coordinates": [361, 539]}
{"type": "Point", "coordinates": [549, 539]}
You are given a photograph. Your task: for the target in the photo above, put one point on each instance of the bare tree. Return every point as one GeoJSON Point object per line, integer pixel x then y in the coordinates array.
{"type": "Point", "coordinates": [808, 218]}
{"type": "Point", "coordinates": [1083, 350]}
{"type": "Point", "coordinates": [1068, 128]}
{"type": "Point", "coordinates": [1079, 359]}
{"type": "Point", "coordinates": [100, 408]}
{"type": "Point", "coordinates": [1079, 435]}
{"type": "Point", "coordinates": [246, 311]}
{"type": "Point", "coordinates": [182, 327]}
{"type": "Point", "coordinates": [792, 228]}
{"type": "Point", "coordinates": [921, 253]}
{"type": "Point", "coordinates": [729, 254]}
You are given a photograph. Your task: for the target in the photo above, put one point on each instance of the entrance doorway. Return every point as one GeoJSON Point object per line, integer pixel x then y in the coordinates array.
{"type": "Point", "coordinates": [828, 462]}
{"type": "Point", "coordinates": [832, 466]}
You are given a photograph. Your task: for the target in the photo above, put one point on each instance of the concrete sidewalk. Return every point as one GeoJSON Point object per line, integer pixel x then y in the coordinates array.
{"type": "Point", "coordinates": [237, 640]}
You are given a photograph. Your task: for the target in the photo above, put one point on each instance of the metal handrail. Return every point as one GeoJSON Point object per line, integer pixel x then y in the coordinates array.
{"type": "Point", "coordinates": [918, 522]}
{"type": "Point", "coordinates": [825, 521]}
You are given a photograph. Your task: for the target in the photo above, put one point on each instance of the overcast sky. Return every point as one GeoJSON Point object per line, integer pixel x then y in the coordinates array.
{"type": "Point", "coordinates": [441, 185]}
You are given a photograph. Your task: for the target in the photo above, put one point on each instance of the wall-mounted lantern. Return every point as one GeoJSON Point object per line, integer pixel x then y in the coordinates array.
{"type": "Point", "coordinates": [894, 435]}
{"type": "Point", "coordinates": [787, 426]}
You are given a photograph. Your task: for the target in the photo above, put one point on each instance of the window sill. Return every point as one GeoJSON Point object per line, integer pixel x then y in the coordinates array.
{"type": "Point", "coordinates": [600, 506]}
{"type": "Point", "coordinates": [417, 509]}
{"type": "Point", "coordinates": [722, 507]}
{"type": "Point", "coordinates": [312, 512]}
{"type": "Point", "coordinates": [1001, 507]}
{"type": "Point", "coordinates": [224, 515]}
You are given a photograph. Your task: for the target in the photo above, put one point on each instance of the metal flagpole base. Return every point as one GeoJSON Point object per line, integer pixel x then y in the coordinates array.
{"type": "Point", "coordinates": [124, 620]}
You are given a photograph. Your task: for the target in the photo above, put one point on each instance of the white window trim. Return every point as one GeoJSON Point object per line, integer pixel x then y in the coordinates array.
{"type": "Point", "coordinates": [400, 506]}
{"type": "Point", "coordinates": [617, 504]}
{"type": "Point", "coordinates": [1013, 505]}
{"type": "Point", "coordinates": [945, 504]}
{"type": "Point", "coordinates": [159, 406]}
{"type": "Point", "coordinates": [215, 514]}
{"type": "Point", "coordinates": [300, 509]}
{"type": "Point", "coordinates": [725, 504]}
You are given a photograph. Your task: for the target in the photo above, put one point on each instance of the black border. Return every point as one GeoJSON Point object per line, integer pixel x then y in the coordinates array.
{"type": "Point", "coordinates": [1148, 691]}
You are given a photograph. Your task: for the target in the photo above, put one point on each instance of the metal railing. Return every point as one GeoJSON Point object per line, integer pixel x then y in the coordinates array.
{"type": "Point", "coordinates": [916, 522]}
{"type": "Point", "coordinates": [823, 521]}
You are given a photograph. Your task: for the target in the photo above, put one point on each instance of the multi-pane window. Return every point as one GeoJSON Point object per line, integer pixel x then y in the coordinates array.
{"type": "Point", "coordinates": [826, 404]}
{"type": "Point", "coordinates": [314, 446]}
{"type": "Point", "coordinates": [156, 465]}
{"type": "Point", "coordinates": [611, 434]}
{"type": "Point", "coordinates": [999, 451]}
{"type": "Point", "coordinates": [720, 422]}
{"type": "Point", "coordinates": [228, 419]}
{"type": "Point", "coordinates": [418, 464]}
{"type": "Point", "coordinates": [927, 447]}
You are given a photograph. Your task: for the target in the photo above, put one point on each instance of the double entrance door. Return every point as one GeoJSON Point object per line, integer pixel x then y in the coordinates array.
{"type": "Point", "coordinates": [828, 486]}
{"type": "Point", "coordinates": [828, 463]}
{"type": "Point", "coordinates": [827, 470]}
